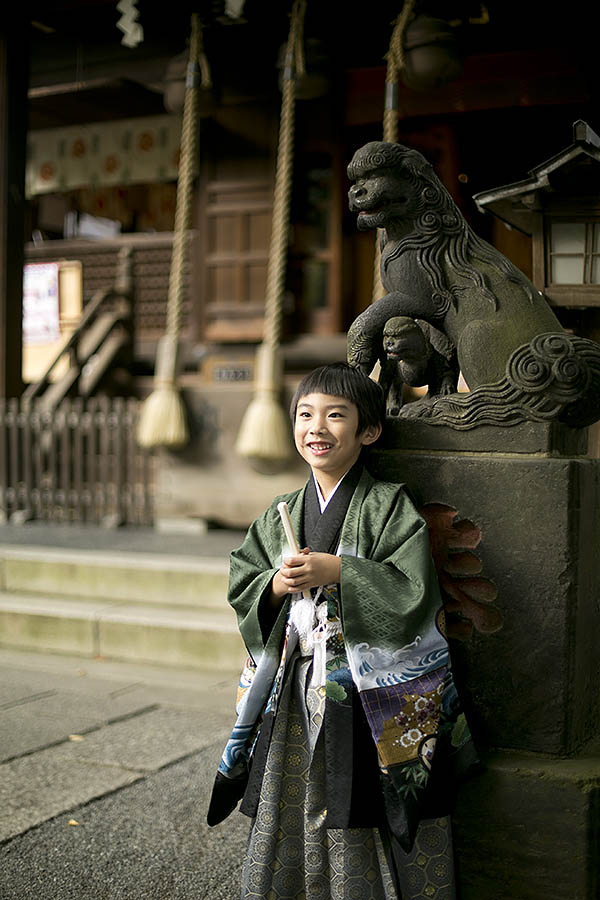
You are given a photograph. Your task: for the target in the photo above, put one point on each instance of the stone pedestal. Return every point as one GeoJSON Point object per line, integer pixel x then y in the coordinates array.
{"type": "Point", "coordinates": [528, 827]}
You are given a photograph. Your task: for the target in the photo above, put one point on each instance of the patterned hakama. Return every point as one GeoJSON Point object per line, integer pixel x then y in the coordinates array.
{"type": "Point", "coordinates": [291, 855]}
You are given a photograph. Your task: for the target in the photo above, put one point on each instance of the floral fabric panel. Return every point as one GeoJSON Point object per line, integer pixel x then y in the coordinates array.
{"type": "Point", "coordinates": [404, 718]}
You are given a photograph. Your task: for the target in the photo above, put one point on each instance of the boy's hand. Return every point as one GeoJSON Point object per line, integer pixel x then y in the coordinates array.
{"type": "Point", "coordinates": [305, 571]}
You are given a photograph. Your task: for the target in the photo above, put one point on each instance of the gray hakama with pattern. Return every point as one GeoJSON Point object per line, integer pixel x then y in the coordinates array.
{"type": "Point", "coordinates": [291, 855]}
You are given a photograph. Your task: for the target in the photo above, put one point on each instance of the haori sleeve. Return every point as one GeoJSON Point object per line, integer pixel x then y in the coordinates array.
{"type": "Point", "coordinates": [389, 590]}
{"type": "Point", "coordinates": [251, 570]}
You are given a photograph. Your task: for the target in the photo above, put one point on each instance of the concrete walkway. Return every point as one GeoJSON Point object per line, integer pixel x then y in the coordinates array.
{"type": "Point", "coordinates": [218, 542]}
{"type": "Point", "coordinates": [105, 774]}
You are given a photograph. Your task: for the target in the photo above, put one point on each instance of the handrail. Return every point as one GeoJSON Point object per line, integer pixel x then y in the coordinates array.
{"type": "Point", "coordinates": [121, 290]}
{"type": "Point", "coordinates": [90, 311]}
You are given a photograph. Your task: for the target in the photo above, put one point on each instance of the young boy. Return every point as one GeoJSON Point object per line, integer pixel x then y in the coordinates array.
{"type": "Point", "coordinates": [349, 690]}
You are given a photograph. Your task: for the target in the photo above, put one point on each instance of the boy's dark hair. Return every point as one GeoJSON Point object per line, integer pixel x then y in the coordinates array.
{"type": "Point", "coordinates": [342, 380]}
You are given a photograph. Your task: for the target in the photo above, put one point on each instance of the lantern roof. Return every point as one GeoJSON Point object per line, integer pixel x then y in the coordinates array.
{"type": "Point", "coordinates": [572, 172]}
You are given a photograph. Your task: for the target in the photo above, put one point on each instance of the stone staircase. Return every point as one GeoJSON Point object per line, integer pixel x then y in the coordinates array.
{"type": "Point", "coordinates": [156, 608]}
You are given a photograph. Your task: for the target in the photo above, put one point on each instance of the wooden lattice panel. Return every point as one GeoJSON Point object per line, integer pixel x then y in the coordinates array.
{"type": "Point", "coordinates": [151, 266]}
{"type": "Point", "coordinates": [235, 255]}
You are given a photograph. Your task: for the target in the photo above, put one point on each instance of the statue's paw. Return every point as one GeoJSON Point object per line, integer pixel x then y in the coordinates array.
{"type": "Point", "coordinates": [418, 409]}
{"type": "Point", "coordinates": [446, 388]}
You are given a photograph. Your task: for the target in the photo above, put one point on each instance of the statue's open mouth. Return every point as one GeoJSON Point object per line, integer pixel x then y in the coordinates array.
{"type": "Point", "coordinates": [373, 211]}
{"type": "Point", "coordinates": [379, 207]}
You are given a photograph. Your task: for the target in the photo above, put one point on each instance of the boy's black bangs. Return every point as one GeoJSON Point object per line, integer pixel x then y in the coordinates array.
{"type": "Point", "coordinates": [343, 380]}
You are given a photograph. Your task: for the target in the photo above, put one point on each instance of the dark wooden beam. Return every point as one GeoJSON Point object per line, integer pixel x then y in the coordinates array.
{"type": "Point", "coordinates": [13, 132]}
{"type": "Point", "coordinates": [492, 81]}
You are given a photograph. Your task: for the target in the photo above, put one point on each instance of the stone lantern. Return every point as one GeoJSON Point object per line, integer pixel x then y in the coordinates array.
{"type": "Point", "coordinates": [558, 205]}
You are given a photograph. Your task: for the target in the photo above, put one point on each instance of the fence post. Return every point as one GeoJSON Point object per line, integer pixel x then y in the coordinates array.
{"type": "Point", "coordinates": [3, 463]}
{"type": "Point", "coordinates": [12, 499]}
{"type": "Point", "coordinates": [23, 512]}
{"type": "Point", "coordinates": [77, 445]}
{"type": "Point", "coordinates": [37, 493]}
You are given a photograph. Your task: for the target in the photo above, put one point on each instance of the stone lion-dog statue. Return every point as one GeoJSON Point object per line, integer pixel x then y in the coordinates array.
{"type": "Point", "coordinates": [515, 357]}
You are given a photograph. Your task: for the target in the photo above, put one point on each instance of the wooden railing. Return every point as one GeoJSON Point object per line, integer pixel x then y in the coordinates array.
{"type": "Point", "coordinates": [77, 463]}
{"type": "Point", "coordinates": [100, 335]}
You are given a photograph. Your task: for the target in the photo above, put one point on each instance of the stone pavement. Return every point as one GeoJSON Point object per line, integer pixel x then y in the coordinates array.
{"type": "Point", "coordinates": [105, 773]}
{"type": "Point", "coordinates": [215, 542]}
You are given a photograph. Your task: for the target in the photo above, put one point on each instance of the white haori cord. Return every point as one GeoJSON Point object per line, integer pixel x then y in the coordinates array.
{"type": "Point", "coordinates": [309, 618]}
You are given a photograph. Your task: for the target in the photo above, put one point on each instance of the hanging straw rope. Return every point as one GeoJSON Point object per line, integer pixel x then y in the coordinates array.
{"type": "Point", "coordinates": [395, 65]}
{"type": "Point", "coordinates": [264, 436]}
{"type": "Point", "coordinates": [162, 418]}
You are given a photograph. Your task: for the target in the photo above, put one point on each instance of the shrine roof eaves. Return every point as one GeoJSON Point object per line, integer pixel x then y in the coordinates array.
{"type": "Point", "coordinates": [513, 202]}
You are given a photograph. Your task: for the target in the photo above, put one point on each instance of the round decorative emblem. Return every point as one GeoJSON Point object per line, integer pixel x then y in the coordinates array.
{"type": "Point", "coordinates": [440, 621]}
{"type": "Point", "coordinates": [111, 163]}
{"type": "Point", "coordinates": [145, 141]}
{"type": "Point", "coordinates": [47, 171]}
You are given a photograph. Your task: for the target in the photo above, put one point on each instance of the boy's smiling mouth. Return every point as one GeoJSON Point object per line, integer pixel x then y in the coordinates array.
{"type": "Point", "coordinates": [319, 446]}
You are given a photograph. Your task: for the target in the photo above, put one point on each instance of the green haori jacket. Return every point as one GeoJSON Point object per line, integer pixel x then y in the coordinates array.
{"type": "Point", "coordinates": [389, 591]}
{"type": "Point", "coordinates": [393, 629]}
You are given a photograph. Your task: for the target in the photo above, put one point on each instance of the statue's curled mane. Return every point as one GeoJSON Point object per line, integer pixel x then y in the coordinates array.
{"type": "Point", "coordinates": [444, 243]}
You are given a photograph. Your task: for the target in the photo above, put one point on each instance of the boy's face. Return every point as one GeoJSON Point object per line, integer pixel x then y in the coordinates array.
{"type": "Point", "coordinates": [325, 432]}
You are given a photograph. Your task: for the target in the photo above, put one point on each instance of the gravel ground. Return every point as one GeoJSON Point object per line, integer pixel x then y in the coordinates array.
{"type": "Point", "coordinates": [148, 841]}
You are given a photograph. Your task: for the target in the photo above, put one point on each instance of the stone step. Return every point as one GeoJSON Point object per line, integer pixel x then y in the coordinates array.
{"type": "Point", "coordinates": [146, 632]}
{"type": "Point", "coordinates": [115, 576]}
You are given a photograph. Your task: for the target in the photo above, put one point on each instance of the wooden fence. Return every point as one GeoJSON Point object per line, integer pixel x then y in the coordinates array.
{"type": "Point", "coordinates": [78, 463]}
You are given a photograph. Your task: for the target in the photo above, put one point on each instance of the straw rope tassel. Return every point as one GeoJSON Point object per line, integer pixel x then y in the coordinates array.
{"type": "Point", "coordinates": [395, 64]}
{"type": "Point", "coordinates": [162, 417]}
{"type": "Point", "coordinates": [264, 436]}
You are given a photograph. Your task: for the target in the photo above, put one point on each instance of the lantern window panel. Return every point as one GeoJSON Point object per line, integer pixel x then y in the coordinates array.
{"type": "Point", "coordinates": [567, 269]}
{"type": "Point", "coordinates": [567, 237]}
{"type": "Point", "coordinates": [574, 253]}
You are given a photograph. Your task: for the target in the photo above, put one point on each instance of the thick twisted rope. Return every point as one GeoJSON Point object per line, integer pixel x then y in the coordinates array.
{"type": "Point", "coordinates": [162, 419]}
{"type": "Point", "coordinates": [264, 435]}
{"type": "Point", "coordinates": [395, 65]}
{"type": "Point", "coordinates": [276, 269]}
{"type": "Point", "coordinates": [197, 72]}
